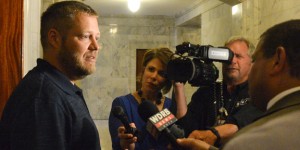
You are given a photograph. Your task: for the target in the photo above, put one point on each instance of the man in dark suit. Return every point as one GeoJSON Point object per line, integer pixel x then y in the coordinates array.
{"type": "Point", "coordinates": [274, 86]}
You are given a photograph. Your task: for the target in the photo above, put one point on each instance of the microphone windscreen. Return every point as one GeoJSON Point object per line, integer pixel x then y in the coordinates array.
{"type": "Point", "coordinates": [147, 109]}
{"type": "Point", "coordinates": [118, 111]}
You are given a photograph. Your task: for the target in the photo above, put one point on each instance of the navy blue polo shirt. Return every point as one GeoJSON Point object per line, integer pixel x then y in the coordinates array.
{"type": "Point", "coordinates": [47, 112]}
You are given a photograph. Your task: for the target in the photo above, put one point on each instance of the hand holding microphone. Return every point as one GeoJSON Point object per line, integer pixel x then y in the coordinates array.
{"type": "Point", "coordinates": [127, 140]}
{"type": "Point", "coordinates": [118, 112]}
{"type": "Point", "coordinates": [127, 134]}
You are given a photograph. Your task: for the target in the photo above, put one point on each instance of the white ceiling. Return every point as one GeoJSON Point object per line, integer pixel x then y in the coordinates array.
{"type": "Point", "coordinates": [172, 8]}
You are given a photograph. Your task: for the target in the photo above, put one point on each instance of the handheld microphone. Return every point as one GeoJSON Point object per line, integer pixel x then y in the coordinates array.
{"type": "Point", "coordinates": [118, 112]}
{"type": "Point", "coordinates": [160, 123]}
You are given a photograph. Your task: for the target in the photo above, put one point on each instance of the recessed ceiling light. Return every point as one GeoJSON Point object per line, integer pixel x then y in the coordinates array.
{"type": "Point", "coordinates": [134, 5]}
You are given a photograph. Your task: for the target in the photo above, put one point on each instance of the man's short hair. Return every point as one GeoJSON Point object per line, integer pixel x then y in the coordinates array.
{"type": "Point", "coordinates": [251, 47]}
{"type": "Point", "coordinates": [60, 16]}
{"type": "Point", "coordinates": [287, 35]}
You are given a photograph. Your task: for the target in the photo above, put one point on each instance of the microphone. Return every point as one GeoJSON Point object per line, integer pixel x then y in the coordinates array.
{"type": "Point", "coordinates": [160, 123]}
{"type": "Point", "coordinates": [118, 112]}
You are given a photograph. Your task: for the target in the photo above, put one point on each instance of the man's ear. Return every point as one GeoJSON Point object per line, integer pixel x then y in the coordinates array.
{"type": "Point", "coordinates": [279, 60]}
{"type": "Point", "coordinates": [54, 38]}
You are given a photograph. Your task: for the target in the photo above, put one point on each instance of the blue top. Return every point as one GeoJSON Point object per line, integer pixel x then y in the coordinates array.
{"type": "Point", "coordinates": [46, 111]}
{"type": "Point", "coordinates": [130, 107]}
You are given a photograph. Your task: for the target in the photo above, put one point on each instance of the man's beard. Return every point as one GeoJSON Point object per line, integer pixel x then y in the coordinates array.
{"type": "Point", "coordinates": [73, 67]}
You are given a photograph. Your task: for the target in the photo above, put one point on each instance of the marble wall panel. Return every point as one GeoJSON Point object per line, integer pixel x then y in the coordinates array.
{"type": "Point", "coordinates": [216, 25]}
{"type": "Point", "coordinates": [278, 11]}
{"type": "Point", "coordinates": [116, 66]}
{"type": "Point", "coordinates": [251, 20]}
{"type": "Point", "coordinates": [31, 40]}
{"type": "Point", "coordinates": [216, 28]}
{"type": "Point", "coordinates": [259, 15]}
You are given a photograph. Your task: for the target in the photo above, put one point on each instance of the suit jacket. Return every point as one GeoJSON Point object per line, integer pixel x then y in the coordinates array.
{"type": "Point", "coordinates": [277, 129]}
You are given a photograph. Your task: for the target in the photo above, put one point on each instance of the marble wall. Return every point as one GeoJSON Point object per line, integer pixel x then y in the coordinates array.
{"type": "Point", "coordinates": [251, 19]}
{"type": "Point", "coordinates": [116, 66]}
{"type": "Point", "coordinates": [216, 28]}
{"type": "Point", "coordinates": [259, 15]}
{"type": "Point", "coordinates": [31, 41]}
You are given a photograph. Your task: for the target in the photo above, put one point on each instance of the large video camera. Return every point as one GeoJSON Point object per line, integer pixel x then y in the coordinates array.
{"type": "Point", "coordinates": [197, 66]}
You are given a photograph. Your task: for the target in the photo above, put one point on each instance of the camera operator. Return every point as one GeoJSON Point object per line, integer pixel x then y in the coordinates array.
{"type": "Point", "coordinates": [211, 120]}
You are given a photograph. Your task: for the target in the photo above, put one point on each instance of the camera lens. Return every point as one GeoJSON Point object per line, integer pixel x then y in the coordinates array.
{"type": "Point", "coordinates": [180, 69]}
{"type": "Point", "coordinates": [204, 73]}
{"type": "Point", "coordinates": [194, 71]}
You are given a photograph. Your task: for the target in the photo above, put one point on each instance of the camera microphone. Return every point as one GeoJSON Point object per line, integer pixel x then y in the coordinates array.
{"type": "Point", "coordinates": [160, 123]}
{"type": "Point", "coordinates": [118, 112]}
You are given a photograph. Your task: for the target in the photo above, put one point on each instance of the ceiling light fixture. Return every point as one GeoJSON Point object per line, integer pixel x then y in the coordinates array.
{"type": "Point", "coordinates": [134, 5]}
{"type": "Point", "coordinates": [235, 9]}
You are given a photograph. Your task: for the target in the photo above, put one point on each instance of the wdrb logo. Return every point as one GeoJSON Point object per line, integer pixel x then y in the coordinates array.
{"type": "Point", "coordinates": [163, 119]}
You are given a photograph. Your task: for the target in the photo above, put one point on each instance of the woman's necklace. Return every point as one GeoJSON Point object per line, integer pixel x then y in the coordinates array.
{"type": "Point", "coordinates": [157, 101]}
